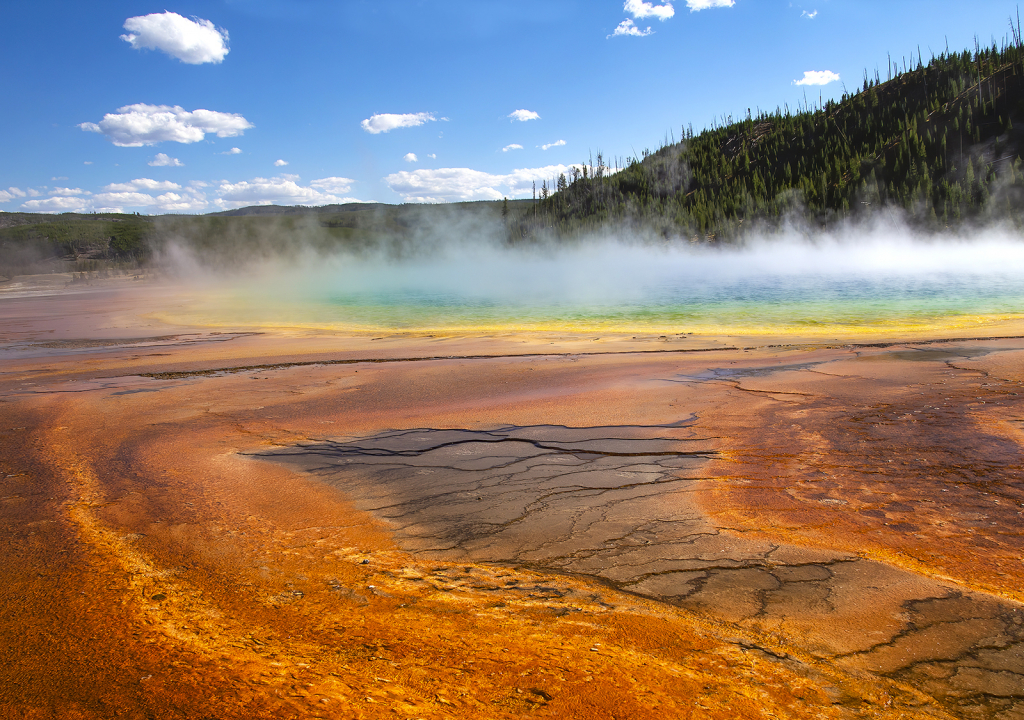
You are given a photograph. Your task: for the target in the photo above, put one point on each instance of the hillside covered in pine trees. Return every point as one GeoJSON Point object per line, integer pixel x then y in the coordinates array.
{"type": "Point", "coordinates": [942, 141]}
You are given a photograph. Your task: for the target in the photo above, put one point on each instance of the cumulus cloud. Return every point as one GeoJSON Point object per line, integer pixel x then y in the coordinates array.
{"type": "Point", "coordinates": [513, 146]}
{"type": "Point", "coordinates": [280, 163]}
{"type": "Point", "coordinates": [557, 143]}
{"type": "Point", "coordinates": [283, 189]}
{"type": "Point", "coordinates": [232, 151]}
{"type": "Point", "coordinates": [386, 122]}
{"type": "Point", "coordinates": [410, 157]}
{"type": "Point", "coordinates": [142, 124]}
{"type": "Point", "coordinates": [68, 192]}
{"type": "Point", "coordinates": [194, 41]}
{"type": "Point", "coordinates": [640, 9]}
{"type": "Point", "coordinates": [164, 160]}
{"type": "Point", "coordinates": [460, 184]}
{"type": "Point", "coordinates": [56, 204]}
{"type": "Point", "coordinates": [11, 193]}
{"type": "Point", "coordinates": [185, 201]}
{"type": "Point", "coordinates": [817, 77]}
{"type": "Point", "coordinates": [626, 27]}
{"type": "Point", "coordinates": [696, 5]}
{"type": "Point", "coordinates": [432, 156]}
{"type": "Point", "coordinates": [809, 15]}
{"type": "Point", "coordinates": [523, 115]}
{"type": "Point", "coordinates": [142, 184]}
{"type": "Point", "coordinates": [333, 184]}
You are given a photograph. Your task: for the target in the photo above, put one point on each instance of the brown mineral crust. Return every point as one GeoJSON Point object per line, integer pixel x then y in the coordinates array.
{"type": "Point", "coordinates": [196, 582]}
{"type": "Point", "coordinates": [909, 456]}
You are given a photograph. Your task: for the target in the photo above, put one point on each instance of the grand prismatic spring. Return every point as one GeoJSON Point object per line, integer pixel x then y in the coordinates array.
{"type": "Point", "coordinates": [616, 482]}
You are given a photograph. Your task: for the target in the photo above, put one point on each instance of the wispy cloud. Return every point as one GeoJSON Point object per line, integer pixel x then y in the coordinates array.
{"type": "Point", "coordinates": [513, 146]}
{"type": "Point", "coordinates": [817, 77]}
{"type": "Point", "coordinates": [193, 41]}
{"type": "Point", "coordinates": [142, 124]}
{"type": "Point", "coordinates": [557, 143]}
{"type": "Point", "coordinates": [640, 9]}
{"type": "Point", "coordinates": [164, 160]}
{"type": "Point", "coordinates": [386, 122]}
{"type": "Point", "coordinates": [523, 115]}
{"type": "Point", "coordinates": [698, 5]}
{"type": "Point", "coordinates": [809, 15]}
{"type": "Point", "coordinates": [626, 27]}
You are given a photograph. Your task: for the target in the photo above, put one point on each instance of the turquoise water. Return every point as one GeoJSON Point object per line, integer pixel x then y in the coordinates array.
{"type": "Point", "coordinates": [775, 288]}
{"type": "Point", "coordinates": [810, 302]}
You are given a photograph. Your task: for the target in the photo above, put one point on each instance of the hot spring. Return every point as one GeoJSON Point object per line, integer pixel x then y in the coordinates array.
{"type": "Point", "coordinates": [838, 286]}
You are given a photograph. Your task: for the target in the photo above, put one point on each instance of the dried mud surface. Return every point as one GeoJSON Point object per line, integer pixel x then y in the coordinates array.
{"type": "Point", "coordinates": [238, 525]}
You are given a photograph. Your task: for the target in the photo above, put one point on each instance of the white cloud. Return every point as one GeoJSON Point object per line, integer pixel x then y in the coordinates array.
{"type": "Point", "coordinates": [557, 143]}
{"type": "Point", "coordinates": [32, 192]}
{"type": "Point", "coordinates": [387, 122]}
{"type": "Point", "coordinates": [459, 184]}
{"type": "Point", "coordinates": [411, 157]}
{"type": "Point", "coordinates": [809, 15]}
{"type": "Point", "coordinates": [626, 27]}
{"type": "Point", "coordinates": [142, 124]}
{"type": "Point", "coordinates": [284, 189]}
{"type": "Point", "coordinates": [513, 146]}
{"type": "Point", "coordinates": [11, 193]}
{"type": "Point", "coordinates": [126, 198]}
{"type": "Point", "coordinates": [280, 163]}
{"type": "Point", "coordinates": [333, 184]}
{"type": "Point", "coordinates": [55, 179]}
{"type": "Point", "coordinates": [432, 156]}
{"type": "Point", "coordinates": [817, 77]}
{"type": "Point", "coordinates": [87, 162]}
{"type": "Point", "coordinates": [67, 192]}
{"type": "Point", "coordinates": [186, 201]}
{"type": "Point", "coordinates": [193, 41]}
{"type": "Point", "coordinates": [164, 160]}
{"type": "Point", "coordinates": [523, 115]}
{"type": "Point", "coordinates": [232, 151]}
{"type": "Point", "coordinates": [697, 5]}
{"type": "Point", "coordinates": [640, 9]}
{"type": "Point", "coordinates": [56, 204]}
{"type": "Point", "coordinates": [142, 184]}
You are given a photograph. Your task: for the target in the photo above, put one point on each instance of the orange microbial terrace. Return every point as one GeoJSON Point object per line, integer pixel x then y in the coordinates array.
{"type": "Point", "coordinates": [206, 517]}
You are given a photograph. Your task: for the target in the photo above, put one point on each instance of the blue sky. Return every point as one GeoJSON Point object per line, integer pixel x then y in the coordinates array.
{"type": "Point", "coordinates": [202, 106]}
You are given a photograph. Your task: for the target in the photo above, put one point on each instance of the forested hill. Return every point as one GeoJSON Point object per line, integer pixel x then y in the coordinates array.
{"type": "Point", "coordinates": [942, 141]}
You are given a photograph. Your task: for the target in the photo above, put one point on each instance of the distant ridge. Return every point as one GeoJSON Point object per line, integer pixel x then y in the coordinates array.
{"type": "Point", "coordinates": [941, 141]}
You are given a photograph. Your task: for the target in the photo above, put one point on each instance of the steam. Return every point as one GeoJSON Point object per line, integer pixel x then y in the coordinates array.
{"type": "Point", "coordinates": [454, 275]}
